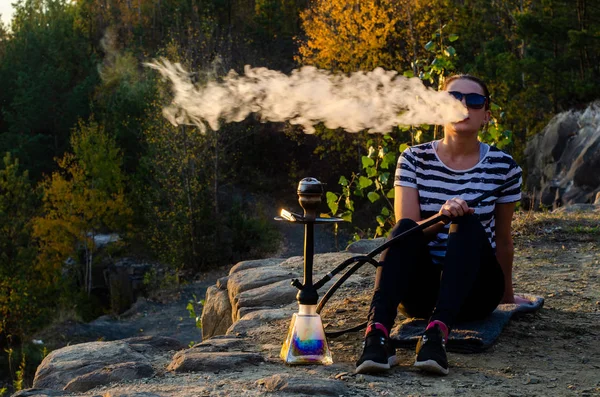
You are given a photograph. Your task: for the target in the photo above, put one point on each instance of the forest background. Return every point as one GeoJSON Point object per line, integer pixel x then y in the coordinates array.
{"type": "Point", "coordinates": [88, 152]}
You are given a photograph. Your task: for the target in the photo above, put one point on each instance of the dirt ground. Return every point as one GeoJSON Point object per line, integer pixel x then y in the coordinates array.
{"type": "Point", "coordinates": [554, 352]}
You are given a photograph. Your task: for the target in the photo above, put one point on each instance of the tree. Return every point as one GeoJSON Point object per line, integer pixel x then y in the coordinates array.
{"type": "Point", "coordinates": [20, 285]}
{"type": "Point", "coordinates": [84, 197]}
{"type": "Point", "coordinates": [47, 74]}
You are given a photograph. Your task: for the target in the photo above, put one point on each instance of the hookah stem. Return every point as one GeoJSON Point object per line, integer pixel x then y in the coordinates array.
{"type": "Point", "coordinates": [362, 260]}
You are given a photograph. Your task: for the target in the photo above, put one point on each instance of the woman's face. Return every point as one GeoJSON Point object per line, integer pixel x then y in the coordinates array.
{"type": "Point", "coordinates": [477, 117]}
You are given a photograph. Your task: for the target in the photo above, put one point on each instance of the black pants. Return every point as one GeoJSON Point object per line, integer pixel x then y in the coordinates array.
{"type": "Point", "coordinates": [468, 286]}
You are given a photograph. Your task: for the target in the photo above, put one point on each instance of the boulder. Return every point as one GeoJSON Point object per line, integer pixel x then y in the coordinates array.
{"type": "Point", "coordinates": [303, 385]}
{"type": "Point", "coordinates": [249, 279]}
{"type": "Point", "coordinates": [254, 264]}
{"type": "Point", "coordinates": [193, 360]}
{"type": "Point", "coordinates": [563, 161]}
{"type": "Point", "coordinates": [108, 374]}
{"type": "Point", "coordinates": [216, 313]}
{"type": "Point", "coordinates": [274, 295]}
{"type": "Point", "coordinates": [88, 365]}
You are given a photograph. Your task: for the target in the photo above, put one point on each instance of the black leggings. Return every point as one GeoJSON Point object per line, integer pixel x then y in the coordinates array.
{"type": "Point", "coordinates": [468, 286]}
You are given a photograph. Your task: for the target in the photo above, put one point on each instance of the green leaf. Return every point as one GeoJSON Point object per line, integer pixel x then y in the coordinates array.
{"type": "Point", "coordinates": [364, 182]}
{"type": "Point", "coordinates": [453, 37]}
{"type": "Point", "coordinates": [343, 181]}
{"type": "Point", "coordinates": [380, 220]}
{"type": "Point", "coordinates": [384, 177]}
{"type": "Point", "coordinates": [372, 196]}
{"type": "Point", "coordinates": [409, 74]}
{"type": "Point", "coordinates": [347, 216]}
{"type": "Point", "coordinates": [332, 199]}
{"type": "Point", "coordinates": [371, 172]}
{"type": "Point", "coordinates": [403, 147]}
{"type": "Point", "coordinates": [390, 193]}
{"type": "Point", "coordinates": [367, 162]}
{"type": "Point", "coordinates": [385, 211]}
{"type": "Point", "coordinates": [450, 51]}
{"type": "Point", "coordinates": [430, 46]}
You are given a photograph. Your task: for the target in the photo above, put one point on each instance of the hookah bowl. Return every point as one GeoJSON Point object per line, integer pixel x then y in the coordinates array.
{"type": "Point", "coordinates": [305, 342]}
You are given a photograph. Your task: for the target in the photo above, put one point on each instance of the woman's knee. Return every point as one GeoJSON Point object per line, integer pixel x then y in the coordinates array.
{"type": "Point", "coordinates": [402, 226]}
{"type": "Point", "coordinates": [466, 223]}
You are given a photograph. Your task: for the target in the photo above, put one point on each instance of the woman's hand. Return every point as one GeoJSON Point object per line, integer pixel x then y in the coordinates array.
{"type": "Point", "coordinates": [454, 208]}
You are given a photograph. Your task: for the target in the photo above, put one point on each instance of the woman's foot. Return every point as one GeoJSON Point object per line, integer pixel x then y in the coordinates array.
{"type": "Point", "coordinates": [378, 354]}
{"type": "Point", "coordinates": [431, 351]}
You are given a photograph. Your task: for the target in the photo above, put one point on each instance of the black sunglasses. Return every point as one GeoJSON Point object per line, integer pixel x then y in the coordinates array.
{"type": "Point", "coordinates": [473, 101]}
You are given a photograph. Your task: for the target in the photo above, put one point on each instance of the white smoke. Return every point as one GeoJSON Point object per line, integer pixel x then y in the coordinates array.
{"type": "Point", "coordinates": [375, 101]}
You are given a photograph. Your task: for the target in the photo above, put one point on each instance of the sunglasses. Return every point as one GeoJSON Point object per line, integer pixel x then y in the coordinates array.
{"type": "Point", "coordinates": [473, 101]}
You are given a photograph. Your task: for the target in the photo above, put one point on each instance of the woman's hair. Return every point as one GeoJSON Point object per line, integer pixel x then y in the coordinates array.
{"type": "Point", "coordinates": [477, 80]}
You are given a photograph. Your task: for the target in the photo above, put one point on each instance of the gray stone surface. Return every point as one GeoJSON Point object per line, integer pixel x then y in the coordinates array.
{"type": "Point", "coordinates": [108, 374]}
{"type": "Point", "coordinates": [37, 392]}
{"type": "Point", "coordinates": [193, 360]}
{"type": "Point", "coordinates": [260, 318]}
{"type": "Point", "coordinates": [306, 386]}
{"type": "Point", "coordinates": [63, 365]}
{"type": "Point", "coordinates": [365, 246]}
{"type": "Point", "coordinates": [249, 279]}
{"type": "Point", "coordinates": [216, 313]}
{"type": "Point", "coordinates": [563, 161]}
{"type": "Point", "coordinates": [251, 264]}
{"type": "Point", "coordinates": [274, 295]}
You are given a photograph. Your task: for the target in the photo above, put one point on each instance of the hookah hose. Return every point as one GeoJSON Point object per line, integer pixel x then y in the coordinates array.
{"type": "Point", "coordinates": [368, 258]}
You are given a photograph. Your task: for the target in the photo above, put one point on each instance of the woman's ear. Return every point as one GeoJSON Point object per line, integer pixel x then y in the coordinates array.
{"type": "Point", "coordinates": [486, 118]}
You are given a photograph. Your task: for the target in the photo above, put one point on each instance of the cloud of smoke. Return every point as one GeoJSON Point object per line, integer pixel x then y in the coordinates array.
{"type": "Point", "coordinates": [375, 101]}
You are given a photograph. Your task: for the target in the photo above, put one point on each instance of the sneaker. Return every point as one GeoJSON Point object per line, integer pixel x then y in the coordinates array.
{"type": "Point", "coordinates": [431, 352]}
{"type": "Point", "coordinates": [378, 354]}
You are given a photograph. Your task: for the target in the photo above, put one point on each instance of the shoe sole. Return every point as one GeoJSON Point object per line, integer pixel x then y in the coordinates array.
{"type": "Point", "coordinates": [370, 366]}
{"type": "Point", "coordinates": [431, 366]}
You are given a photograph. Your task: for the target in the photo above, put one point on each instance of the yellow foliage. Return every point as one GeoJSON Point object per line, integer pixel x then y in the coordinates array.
{"type": "Point", "coordinates": [349, 35]}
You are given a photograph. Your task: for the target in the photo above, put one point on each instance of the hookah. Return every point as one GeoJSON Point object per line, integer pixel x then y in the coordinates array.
{"type": "Point", "coordinates": [306, 341]}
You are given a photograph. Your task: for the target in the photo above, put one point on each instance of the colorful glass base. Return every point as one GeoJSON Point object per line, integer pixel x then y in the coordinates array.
{"type": "Point", "coordinates": [306, 342]}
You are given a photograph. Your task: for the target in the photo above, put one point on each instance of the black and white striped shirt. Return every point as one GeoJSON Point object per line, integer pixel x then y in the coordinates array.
{"type": "Point", "coordinates": [420, 167]}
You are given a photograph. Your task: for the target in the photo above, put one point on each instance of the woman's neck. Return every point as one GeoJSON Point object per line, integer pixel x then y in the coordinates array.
{"type": "Point", "coordinates": [459, 152]}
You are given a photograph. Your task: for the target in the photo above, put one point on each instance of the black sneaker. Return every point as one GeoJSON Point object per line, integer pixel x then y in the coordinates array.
{"type": "Point", "coordinates": [431, 352]}
{"type": "Point", "coordinates": [378, 354]}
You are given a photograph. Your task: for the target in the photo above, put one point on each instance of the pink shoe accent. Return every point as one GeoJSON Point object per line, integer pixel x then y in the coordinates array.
{"type": "Point", "coordinates": [442, 326]}
{"type": "Point", "coordinates": [379, 326]}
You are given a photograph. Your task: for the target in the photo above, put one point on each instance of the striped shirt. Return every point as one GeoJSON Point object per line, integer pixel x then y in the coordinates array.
{"type": "Point", "coordinates": [420, 167]}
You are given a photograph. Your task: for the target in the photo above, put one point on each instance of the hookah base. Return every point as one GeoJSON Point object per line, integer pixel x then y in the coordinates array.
{"type": "Point", "coordinates": [306, 342]}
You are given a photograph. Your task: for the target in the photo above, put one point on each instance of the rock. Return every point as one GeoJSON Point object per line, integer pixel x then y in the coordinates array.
{"type": "Point", "coordinates": [260, 318]}
{"type": "Point", "coordinates": [110, 373]}
{"type": "Point", "coordinates": [305, 386]}
{"type": "Point", "coordinates": [95, 362]}
{"type": "Point", "coordinates": [222, 282]}
{"type": "Point", "coordinates": [277, 294]}
{"type": "Point", "coordinates": [221, 344]}
{"type": "Point", "coordinates": [63, 365]}
{"type": "Point", "coordinates": [254, 264]}
{"type": "Point", "coordinates": [597, 199]}
{"type": "Point", "coordinates": [579, 208]}
{"type": "Point", "coordinates": [143, 344]}
{"type": "Point", "coordinates": [249, 279]}
{"type": "Point", "coordinates": [216, 313]}
{"type": "Point", "coordinates": [192, 360]}
{"type": "Point", "coordinates": [365, 246]}
{"type": "Point", "coordinates": [563, 160]}
{"type": "Point", "coordinates": [36, 392]}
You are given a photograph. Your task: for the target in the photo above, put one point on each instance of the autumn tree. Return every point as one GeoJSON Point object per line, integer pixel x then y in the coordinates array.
{"type": "Point", "coordinates": [349, 35]}
{"type": "Point", "coordinates": [83, 198]}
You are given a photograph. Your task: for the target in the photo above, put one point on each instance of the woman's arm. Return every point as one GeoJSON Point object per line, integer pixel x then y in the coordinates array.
{"type": "Point", "coordinates": [504, 247]}
{"type": "Point", "coordinates": [406, 205]}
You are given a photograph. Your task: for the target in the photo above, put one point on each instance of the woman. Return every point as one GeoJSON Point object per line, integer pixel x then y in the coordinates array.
{"type": "Point", "coordinates": [455, 270]}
